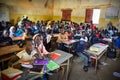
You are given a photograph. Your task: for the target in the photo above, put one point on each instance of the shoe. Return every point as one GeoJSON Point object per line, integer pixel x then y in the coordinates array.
{"type": "Point", "coordinates": [85, 68]}
{"type": "Point", "coordinates": [117, 74]}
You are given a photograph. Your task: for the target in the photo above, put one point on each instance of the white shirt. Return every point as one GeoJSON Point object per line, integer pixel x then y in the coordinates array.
{"type": "Point", "coordinates": [84, 39]}
{"type": "Point", "coordinates": [24, 56]}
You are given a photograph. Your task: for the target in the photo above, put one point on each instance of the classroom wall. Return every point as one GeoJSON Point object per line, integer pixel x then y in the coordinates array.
{"type": "Point", "coordinates": [79, 9]}
{"type": "Point", "coordinates": [34, 9]}
{"type": "Point", "coordinates": [51, 9]}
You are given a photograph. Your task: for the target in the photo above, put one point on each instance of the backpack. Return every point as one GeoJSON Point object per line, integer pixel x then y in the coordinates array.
{"type": "Point", "coordinates": [117, 42]}
{"type": "Point", "coordinates": [111, 52]}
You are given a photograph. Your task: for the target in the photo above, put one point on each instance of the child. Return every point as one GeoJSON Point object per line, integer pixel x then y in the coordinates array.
{"type": "Point", "coordinates": [26, 55]}
{"type": "Point", "coordinates": [81, 53]}
{"type": "Point", "coordinates": [12, 32]}
{"type": "Point", "coordinates": [117, 45]}
{"type": "Point", "coordinates": [5, 40]}
{"type": "Point", "coordinates": [39, 46]}
{"type": "Point", "coordinates": [111, 52]}
{"type": "Point", "coordinates": [61, 38]}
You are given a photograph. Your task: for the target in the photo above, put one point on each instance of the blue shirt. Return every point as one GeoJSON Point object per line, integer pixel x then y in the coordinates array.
{"type": "Point", "coordinates": [81, 46]}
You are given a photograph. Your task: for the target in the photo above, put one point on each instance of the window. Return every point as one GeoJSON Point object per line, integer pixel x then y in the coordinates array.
{"type": "Point", "coordinates": [92, 15]}
{"type": "Point", "coordinates": [96, 16]}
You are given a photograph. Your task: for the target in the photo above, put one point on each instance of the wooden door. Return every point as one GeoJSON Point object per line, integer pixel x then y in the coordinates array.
{"type": "Point", "coordinates": [88, 17]}
{"type": "Point", "coordinates": [66, 14]}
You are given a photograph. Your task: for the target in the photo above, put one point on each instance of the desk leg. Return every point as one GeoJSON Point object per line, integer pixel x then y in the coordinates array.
{"type": "Point", "coordinates": [96, 64]}
{"type": "Point", "coordinates": [68, 62]}
{"type": "Point", "coordinates": [2, 64]}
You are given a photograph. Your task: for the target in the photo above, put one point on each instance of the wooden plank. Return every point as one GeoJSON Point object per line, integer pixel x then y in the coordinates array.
{"type": "Point", "coordinates": [10, 49]}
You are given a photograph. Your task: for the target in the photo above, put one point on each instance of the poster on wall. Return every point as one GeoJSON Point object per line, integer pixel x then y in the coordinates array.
{"type": "Point", "coordinates": [4, 13]}
{"type": "Point", "coordinates": [112, 12]}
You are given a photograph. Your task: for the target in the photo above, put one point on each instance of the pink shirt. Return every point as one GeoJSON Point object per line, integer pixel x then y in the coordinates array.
{"type": "Point", "coordinates": [42, 49]}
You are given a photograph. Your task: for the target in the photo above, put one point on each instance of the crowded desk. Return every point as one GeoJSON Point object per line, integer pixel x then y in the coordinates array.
{"type": "Point", "coordinates": [60, 61]}
{"type": "Point", "coordinates": [97, 50]}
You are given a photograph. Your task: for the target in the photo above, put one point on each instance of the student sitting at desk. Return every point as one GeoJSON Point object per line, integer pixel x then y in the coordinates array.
{"type": "Point", "coordinates": [61, 38]}
{"type": "Point", "coordinates": [12, 32]}
{"type": "Point", "coordinates": [117, 45]}
{"type": "Point", "coordinates": [93, 39]}
{"type": "Point", "coordinates": [86, 56]}
{"type": "Point", "coordinates": [5, 40]}
{"type": "Point", "coordinates": [25, 55]}
{"type": "Point", "coordinates": [39, 46]}
{"type": "Point", "coordinates": [69, 33]}
{"type": "Point", "coordinates": [84, 37]}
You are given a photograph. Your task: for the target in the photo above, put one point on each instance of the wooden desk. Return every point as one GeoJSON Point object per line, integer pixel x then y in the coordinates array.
{"type": "Point", "coordinates": [60, 61]}
{"type": "Point", "coordinates": [109, 40]}
{"type": "Point", "coordinates": [6, 52]}
{"type": "Point", "coordinates": [17, 38]}
{"type": "Point", "coordinates": [102, 48]}
{"type": "Point", "coordinates": [69, 43]}
{"type": "Point", "coordinates": [64, 57]}
{"type": "Point", "coordinates": [10, 49]}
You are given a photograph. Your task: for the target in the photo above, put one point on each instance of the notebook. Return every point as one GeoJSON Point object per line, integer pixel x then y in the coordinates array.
{"type": "Point", "coordinates": [54, 56]}
{"type": "Point", "coordinates": [40, 62]}
{"type": "Point", "coordinates": [95, 49]}
{"type": "Point", "coordinates": [52, 65]}
{"type": "Point", "coordinates": [11, 73]}
{"type": "Point", "coordinates": [36, 69]}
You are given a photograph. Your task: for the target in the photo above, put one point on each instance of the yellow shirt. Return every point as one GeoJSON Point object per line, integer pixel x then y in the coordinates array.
{"type": "Point", "coordinates": [24, 56]}
{"type": "Point", "coordinates": [61, 38]}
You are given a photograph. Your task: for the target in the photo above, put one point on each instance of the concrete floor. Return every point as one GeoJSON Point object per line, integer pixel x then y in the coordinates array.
{"type": "Point", "coordinates": [104, 72]}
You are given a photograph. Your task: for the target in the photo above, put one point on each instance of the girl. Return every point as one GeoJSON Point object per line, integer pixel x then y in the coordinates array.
{"type": "Point", "coordinates": [38, 45]}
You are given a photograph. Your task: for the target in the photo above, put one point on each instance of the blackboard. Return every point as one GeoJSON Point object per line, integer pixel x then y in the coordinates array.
{"type": "Point", "coordinates": [112, 12]}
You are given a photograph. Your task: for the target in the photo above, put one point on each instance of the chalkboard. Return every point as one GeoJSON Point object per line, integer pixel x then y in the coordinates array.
{"type": "Point", "coordinates": [4, 13]}
{"type": "Point", "coordinates": [112, 12]}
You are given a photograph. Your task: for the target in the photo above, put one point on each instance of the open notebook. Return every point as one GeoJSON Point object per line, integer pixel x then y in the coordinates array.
{"type": "Point", "coordinates": [93, 48]}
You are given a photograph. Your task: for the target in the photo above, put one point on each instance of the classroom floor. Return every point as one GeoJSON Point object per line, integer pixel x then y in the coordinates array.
{"type": "Point", "coordinates": [104, 71]}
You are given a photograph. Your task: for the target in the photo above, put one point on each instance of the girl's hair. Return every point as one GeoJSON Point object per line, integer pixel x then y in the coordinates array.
{"type": "Point", "coordinates": [35, 37]}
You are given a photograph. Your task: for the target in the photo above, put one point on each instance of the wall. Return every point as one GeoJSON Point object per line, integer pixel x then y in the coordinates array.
{"type": "Point", "coordinates": [34, 9]}
{"type": "Point", "coordinates": [51, 9]}
{"type": "Point", "coordinates": [4, 13]}
{"type": "Point", "coordinates": [79, 9]}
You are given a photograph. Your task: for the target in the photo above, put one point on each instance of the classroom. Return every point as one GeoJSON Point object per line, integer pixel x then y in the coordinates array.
{"type": "Point", "coordinates": [59, 39]}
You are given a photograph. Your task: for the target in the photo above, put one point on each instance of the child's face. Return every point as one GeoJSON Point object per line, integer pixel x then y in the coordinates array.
{"type": "Point", "coordinates": [29, 47]}
{"type": "Point", "coordinates": [6, 33]}
{"type": "Point", "coordinates": [62, 31]}
{"type": "Point", "coordinates": [13, 30]}
{"type": "Point", "coordinates": [38, 40]}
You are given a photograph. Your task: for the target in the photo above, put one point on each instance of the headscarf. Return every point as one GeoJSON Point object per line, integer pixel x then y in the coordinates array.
{"type": "Point", "coordinates": [11, 32]}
